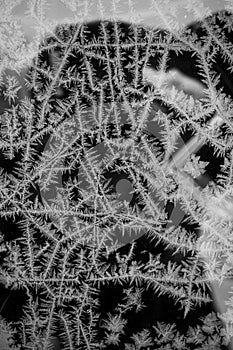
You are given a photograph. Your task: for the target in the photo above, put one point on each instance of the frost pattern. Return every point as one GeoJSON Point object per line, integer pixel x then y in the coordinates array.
{"type": "Point", "coordinates": [90, 113]}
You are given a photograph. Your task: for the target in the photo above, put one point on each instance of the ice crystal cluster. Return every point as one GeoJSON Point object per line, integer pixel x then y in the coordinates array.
{"type": "Point", "coordinates": [89, 194]}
